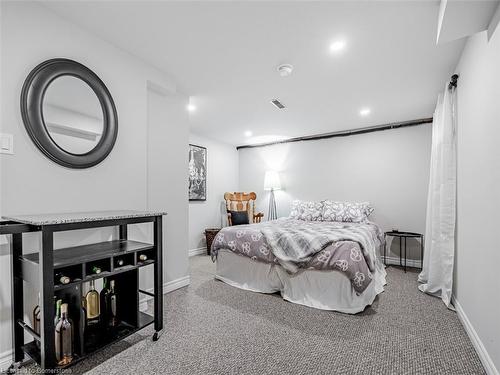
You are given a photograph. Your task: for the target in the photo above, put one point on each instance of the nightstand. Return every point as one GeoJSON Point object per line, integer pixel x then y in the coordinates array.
{"type": "Point", "coordinates": [403, 236]}
{"type": "Point", "coordinates": [210, 234]}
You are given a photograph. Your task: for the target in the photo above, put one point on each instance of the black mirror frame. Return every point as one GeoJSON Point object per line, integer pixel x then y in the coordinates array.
{"type": "Point", "coordinates": [32, 95]}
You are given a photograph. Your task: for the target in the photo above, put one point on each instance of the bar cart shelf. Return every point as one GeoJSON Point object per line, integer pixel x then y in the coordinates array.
{"type": "Point", "coordinates": [118, 260]}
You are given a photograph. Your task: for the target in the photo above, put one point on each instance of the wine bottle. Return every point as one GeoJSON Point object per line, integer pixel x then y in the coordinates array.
{"type": "Point", "coordinates": [58, 312]}
{"type": "Point", "coordinates": [120, 262]}
{"type": "Point", "coordinates": [64, 338]}
{"type": "Point", "coordinates": [105, 307]}
{"type": "Point", "coordinates": [113, 300]}
{"type": "Point", "coordinates": [92, 304]}
{"type": "Point", "coordinates": [62, 279]}
{"type": "Point", "coordinates": [143, 257]}
{"type": "Point", "coordinates": [36, 319]}
{"type": "Point", "coordinates": [36, 316]}
{"type": "Point", "coordinates": [83, 320]}
{"type": "Point", "coordinates": [96, 269]}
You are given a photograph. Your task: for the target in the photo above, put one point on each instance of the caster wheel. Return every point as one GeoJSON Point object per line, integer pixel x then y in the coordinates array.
{"type": "Point", "coordinates": [156, 336]}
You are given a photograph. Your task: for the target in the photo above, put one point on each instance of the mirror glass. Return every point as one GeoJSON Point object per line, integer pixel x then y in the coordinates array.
{"type": "Point", "coordinates": [73, 115]}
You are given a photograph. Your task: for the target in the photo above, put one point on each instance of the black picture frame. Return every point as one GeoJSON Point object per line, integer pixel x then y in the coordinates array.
{"type": "Point", "coordinates": [32, 96]}
{"type": "Point", "coordinates": [197, 186]}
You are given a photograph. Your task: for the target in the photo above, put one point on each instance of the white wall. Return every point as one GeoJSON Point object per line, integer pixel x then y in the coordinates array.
{"type": "Point", "coordinates": [388, 168]}
{"type": "Point", "coordinates": [222, 176]}
{"type": "Point", "coordinates": [168, 175]}
{"type": "Point", "coordinates": [478, 202]}
{"type": "Point", "coordinates": [31, 183]}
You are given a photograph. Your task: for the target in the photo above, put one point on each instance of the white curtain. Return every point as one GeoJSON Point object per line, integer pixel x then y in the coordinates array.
{"type": "Point", "coordinates": [437, 273]}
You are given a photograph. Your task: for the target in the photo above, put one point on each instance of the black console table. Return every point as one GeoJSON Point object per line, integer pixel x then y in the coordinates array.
{"type": "Point", "coordinates": [38, 269]}
{"type": "Point", "coordinates": [402, 239]}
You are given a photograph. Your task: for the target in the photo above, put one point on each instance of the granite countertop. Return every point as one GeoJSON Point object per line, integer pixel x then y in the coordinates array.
{"type": "Point", "coordinates": [78, 217]}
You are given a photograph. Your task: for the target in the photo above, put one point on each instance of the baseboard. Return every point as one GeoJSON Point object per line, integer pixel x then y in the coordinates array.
{"type": "Point", "coordinates": [167, 288]}
{"type": "Point", "coordinates": [485, 358]}
{"type": "Point", "coordinates": [5, 360]}
{"type": "Point", "coordinates": [198, 251]}
{"type": "Point", "coordinates": [6, 357]}
{"type": "Point", "coordinates": [176, 284]}
{"type": "Point", "coordinates": [409, 262]}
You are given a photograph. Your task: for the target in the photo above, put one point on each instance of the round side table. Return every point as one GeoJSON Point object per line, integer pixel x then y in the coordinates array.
{"type": "Point", "coordinates": [402, 240]}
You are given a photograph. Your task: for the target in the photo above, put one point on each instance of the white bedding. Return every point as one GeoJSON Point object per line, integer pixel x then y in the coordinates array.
{"type": "Point", "coordinates": [326, 290]}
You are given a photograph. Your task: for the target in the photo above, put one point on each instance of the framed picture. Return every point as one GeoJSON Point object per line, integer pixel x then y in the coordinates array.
{"type": "Point", "coordinates": [197, 173]}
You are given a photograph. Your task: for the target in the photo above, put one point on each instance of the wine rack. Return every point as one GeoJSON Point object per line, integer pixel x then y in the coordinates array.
{"type": "Point", "coordinates": [118, 260]}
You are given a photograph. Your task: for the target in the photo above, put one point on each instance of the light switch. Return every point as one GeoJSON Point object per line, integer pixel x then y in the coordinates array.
{"type": "Point", "coordinates": [6, 143]}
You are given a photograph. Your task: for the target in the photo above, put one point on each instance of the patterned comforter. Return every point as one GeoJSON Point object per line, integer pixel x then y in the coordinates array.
{"type": "Point", "coordinates": [350, 248]}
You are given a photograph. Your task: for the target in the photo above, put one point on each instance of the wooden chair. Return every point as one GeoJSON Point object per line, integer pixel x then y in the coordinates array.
{"type": "Point", "coordinates": [242, 202]}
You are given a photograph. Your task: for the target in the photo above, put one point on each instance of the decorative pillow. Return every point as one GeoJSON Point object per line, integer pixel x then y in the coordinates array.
{"type": "Point", "coordinates": [295, 209]}
{"type": "Point", "coordinates": [239, 217]}
{"type": "Point", "coordinates": [309, 211]}
{"type": "Point", "coordinates": [312, 211]}
{"type": "Point", "coordinates": [351, 212]}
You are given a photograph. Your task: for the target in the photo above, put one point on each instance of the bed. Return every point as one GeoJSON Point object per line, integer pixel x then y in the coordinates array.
{"type": "Point", "coordinates": [328, 265]}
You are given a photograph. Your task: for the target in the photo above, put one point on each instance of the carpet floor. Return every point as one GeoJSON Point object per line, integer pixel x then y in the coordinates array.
{"type": "Point", "coordinates": [213, 328]}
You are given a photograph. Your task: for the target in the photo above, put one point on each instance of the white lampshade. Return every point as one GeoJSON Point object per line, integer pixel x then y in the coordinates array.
{"type": "Point", "coordinates": [272, 181]}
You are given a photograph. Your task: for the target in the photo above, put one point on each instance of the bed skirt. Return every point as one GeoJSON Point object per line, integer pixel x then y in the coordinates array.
{"type": "Point", "coordinates": [326, 290]}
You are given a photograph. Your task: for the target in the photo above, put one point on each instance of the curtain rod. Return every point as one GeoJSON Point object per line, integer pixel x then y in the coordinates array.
{"type": "Point", "coordinates": [453, 81]}
{"type": "Point", "coordinates": [345, 133]}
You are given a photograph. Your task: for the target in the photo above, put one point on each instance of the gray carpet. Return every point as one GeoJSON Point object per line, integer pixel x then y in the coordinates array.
{"type": "Point", "coordinates": [213, 328]}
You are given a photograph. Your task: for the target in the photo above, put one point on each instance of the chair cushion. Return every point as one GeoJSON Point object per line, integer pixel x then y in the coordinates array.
{"type": "Point", "coordinates": [239, 217]}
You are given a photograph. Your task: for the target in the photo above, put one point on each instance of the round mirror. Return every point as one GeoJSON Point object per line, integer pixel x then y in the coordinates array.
{"type": "Point", "coordinates": [69, 113]}
{"type": "Point", "coordinates": [73, 115]}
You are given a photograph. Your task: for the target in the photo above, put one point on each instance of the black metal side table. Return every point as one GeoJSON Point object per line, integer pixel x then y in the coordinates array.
{"type": "Point", "coordinates": [402, 239]}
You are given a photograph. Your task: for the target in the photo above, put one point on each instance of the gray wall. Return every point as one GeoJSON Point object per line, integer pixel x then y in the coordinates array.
{"type": "Point", "coordinates": [222, 176]}
{"type": "Point", "coordinates": [388, 168]}
{"type": "Point", "coordinates": [478, 203]}
{"type": "Point", "coordinates": [30, 183]}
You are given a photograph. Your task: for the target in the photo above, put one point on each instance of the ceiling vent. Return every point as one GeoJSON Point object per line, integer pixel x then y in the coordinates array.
{"type": "Point", "coordinates": [278, 104]}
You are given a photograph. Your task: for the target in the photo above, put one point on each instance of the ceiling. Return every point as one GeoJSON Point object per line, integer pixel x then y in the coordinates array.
{"type": "Point", "coordinates": [458, 19]}
{"type": "Point", "coordinates": [72, 94]}
{"type": "Point", "coordinates": [224, 55]}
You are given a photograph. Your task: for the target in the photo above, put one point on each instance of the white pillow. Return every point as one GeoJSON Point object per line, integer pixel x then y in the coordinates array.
{"type": "Point", "coordinates": [351, 212]}
{"type": "Point", "coordinates": [309, 211]}
{"type": "Point", "coordinates": [295, 209]}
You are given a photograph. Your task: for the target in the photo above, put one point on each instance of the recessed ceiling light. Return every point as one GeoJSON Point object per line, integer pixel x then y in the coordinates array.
{"type": "Point", "coordinates": [337, 46]}
{"type": "Point", "coordinates": [191, 107]}
{"type": "Point", "coordinates": [248, 133]}
{"type": "Point", "coordinates": [364, 111]}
